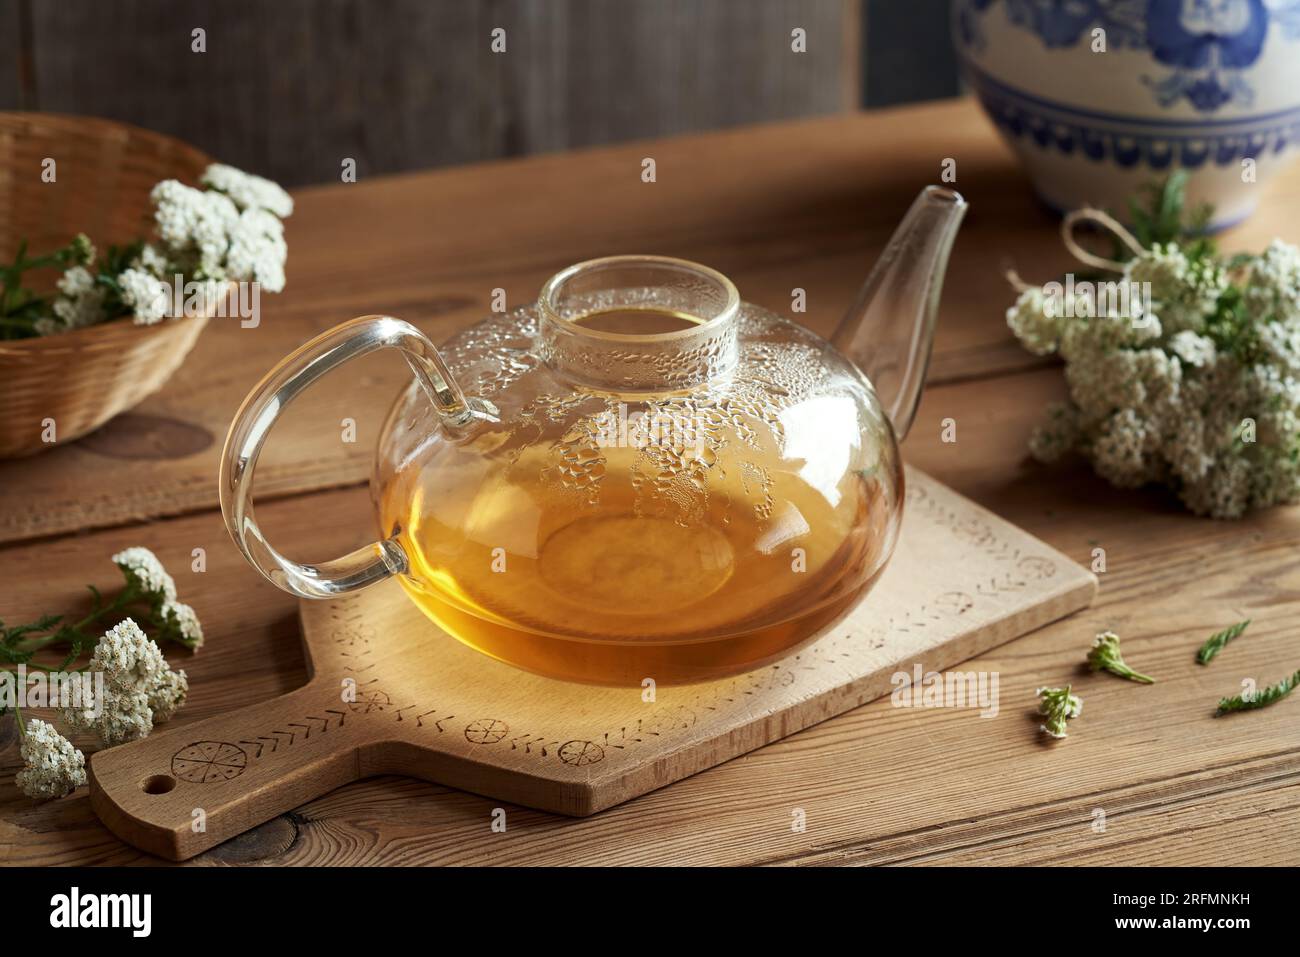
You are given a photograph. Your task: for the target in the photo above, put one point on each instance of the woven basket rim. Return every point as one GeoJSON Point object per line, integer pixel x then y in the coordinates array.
{"type": "Point", "coordinates": [112, 335]}
{"type": "Point", "coordinates": [83, 125]}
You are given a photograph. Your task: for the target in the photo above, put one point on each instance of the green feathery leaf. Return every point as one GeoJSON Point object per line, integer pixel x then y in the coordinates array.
{"type": "Point", "coordinates": [1260, 699]}
{"type": "Point", "coordinates": [1218, 641]}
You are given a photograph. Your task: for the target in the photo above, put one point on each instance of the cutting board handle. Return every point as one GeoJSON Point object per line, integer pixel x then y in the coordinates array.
{"type": "Point", "coordinates": [179, 792]}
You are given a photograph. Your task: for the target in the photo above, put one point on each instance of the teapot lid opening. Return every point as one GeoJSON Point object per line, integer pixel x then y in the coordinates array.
{"type": "Point", "coordinates": [639, 323]}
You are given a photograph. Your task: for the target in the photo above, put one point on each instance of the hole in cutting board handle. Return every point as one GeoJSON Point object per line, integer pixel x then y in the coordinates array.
{"type": "Point", "coordinates": [158, 784]}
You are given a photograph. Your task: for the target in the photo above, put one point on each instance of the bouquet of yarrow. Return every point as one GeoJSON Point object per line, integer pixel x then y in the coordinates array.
{"type": "Point", "coordinates": [229, 231]}
{"type": "Point", "coordinates": [1193, 381]}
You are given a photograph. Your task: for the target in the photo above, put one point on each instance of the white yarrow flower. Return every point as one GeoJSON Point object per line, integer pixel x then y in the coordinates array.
{"type": "Point", "coordinates": [80, 301]}
{"type": "Point", "coordinates": [52, 767]}
{"type": "Point", "coordinates": [143, 570]}
{"type": "Point", "coordinates": [247, 190]}
{"type": "Point", "coordinates": [194, 221]}
{"type": "Point", "coordinates": [127, 657]}
{"type": "Point", "coordinates": [1202, 394]}
{"type": "Point", "coordinates": [184, 624]}
{"type": "Point", "coordinates": [123, 716]}
{"type": "Point", "coordinates": [153, 261]}
{"type": "Point", "coordinates": [77, 281]}
{"type": "Point", "coordinates": [229, 231]}
{"type": "Point", "coordinates": [257, 250]}
{"type": "Point", "coordinates": [1192, 348]}
{"type": "Point", "coordinates": [81, 312]}
{"type": "Point", "coordinates": [1031, 320]}
{"type": "Point", "coordinates": [139, 687]}
{"type": "Point", "coordinates": [166, 699]}
{"type": "Point", "coordinates": [148, 295]}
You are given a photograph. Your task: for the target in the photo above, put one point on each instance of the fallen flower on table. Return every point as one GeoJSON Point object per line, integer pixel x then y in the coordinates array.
{"type": "Point", "coordinates": [175, 620]}
{"type": "Point", "coordinates": [1259, 699]}
{"type": "Point", "coordinates": [1105, 656]}
{"type": "Point", "coordinates": [1218, 641]}
{"type": "Point", "coordinates": [1058, 705]}
{"type": "Point", "coordinates": [52, 767]}
{"type": "Point", "coordinates": [181, 625]}
{"type": "Point", "coordinates": [139, 688]}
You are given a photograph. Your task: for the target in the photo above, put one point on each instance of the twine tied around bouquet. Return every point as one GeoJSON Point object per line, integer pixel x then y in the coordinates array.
{"type": "Point", "coordinates": [1106, 221]}
{"type": "Point", "coordinates": [1099, 218]}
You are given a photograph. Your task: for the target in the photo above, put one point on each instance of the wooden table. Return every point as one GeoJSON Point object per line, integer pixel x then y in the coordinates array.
{"type": "Point", "coordinates": [805, 204]}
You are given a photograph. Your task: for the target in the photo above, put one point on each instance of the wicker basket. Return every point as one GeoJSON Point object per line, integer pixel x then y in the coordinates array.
{"type": "Point", "coordinates": [105, 171]}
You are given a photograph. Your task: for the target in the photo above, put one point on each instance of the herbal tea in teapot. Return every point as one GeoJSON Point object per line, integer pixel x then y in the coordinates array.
{"type": "Point", "coordinates": [639, 477]}
{"type": "Point", "coordinates": [610, 537]}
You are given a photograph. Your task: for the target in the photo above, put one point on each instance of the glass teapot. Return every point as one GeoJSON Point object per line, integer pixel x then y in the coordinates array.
{"type": "Point", "coordinates": [641, 476]}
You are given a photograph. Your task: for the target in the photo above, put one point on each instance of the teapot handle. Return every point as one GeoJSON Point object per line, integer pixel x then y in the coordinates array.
{"type": "Point", "coordinates": [270, 397]}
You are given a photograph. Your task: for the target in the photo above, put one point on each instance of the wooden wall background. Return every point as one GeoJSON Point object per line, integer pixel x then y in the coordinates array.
{"type": "Point", "coordinates": [288, 88]}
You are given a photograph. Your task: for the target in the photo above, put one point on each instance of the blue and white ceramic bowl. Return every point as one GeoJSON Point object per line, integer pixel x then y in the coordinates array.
{"type": "Point", "coordinates": [1099, 97]}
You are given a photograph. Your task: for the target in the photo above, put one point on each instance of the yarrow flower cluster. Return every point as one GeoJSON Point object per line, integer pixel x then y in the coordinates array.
{"type": "Point", "coordinates": [1201, 392]}
{"type": "Point", "coordinates": [142, 571]}
{"type": "Point", "coordinates": [140, 688]}
{"type": "Point", "coordinates": [229, 231]}
{"type": "Point", "coordinates": [1057, 705]}
{"type": "Point", "coordinates": [248, 191]}
{"type": "Point", "coordinates": [151, 582]}
{"type": "Point", "coordinates": [52, 767]}
{"type": "Point", "coordinates": [1105, 656]}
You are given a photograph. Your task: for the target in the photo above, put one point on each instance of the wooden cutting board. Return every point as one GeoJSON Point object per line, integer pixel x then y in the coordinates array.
{"type": "Point", "coordinates": [391, 694]}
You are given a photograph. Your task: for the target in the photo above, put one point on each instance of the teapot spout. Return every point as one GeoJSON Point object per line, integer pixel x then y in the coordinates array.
{"type": "Point", "coordinates": [890, 327]}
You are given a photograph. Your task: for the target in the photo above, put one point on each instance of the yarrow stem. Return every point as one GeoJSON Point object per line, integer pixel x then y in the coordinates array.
{"type": "Point", "coordinates": [124, 598]}
{"type": "Point", "coordinates": [148, 588]}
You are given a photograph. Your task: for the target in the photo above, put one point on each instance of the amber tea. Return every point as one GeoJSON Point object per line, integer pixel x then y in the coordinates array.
{"type": "Point", "coordinates": [617, 588]}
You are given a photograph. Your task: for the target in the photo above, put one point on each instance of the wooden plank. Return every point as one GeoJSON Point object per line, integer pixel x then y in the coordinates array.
{"type": "Point", "coordinates": [1141, 826]}
{"type": "Point", "coordinates": [288, 89]}
{"type": "Point", "coordinates": [877, 784]}
{"type": "Point", "coordinates": [431, 247]}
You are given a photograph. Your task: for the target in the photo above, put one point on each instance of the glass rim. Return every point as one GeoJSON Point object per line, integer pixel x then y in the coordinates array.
{"type": "Point", "coordinates": [547, 307]}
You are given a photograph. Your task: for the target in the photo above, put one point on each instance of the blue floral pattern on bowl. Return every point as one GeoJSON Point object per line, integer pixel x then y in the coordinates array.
{"type": "Point", "coordinates": [1138, 85]}
{"type": "Point", "coordinates": [1208, 44]}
